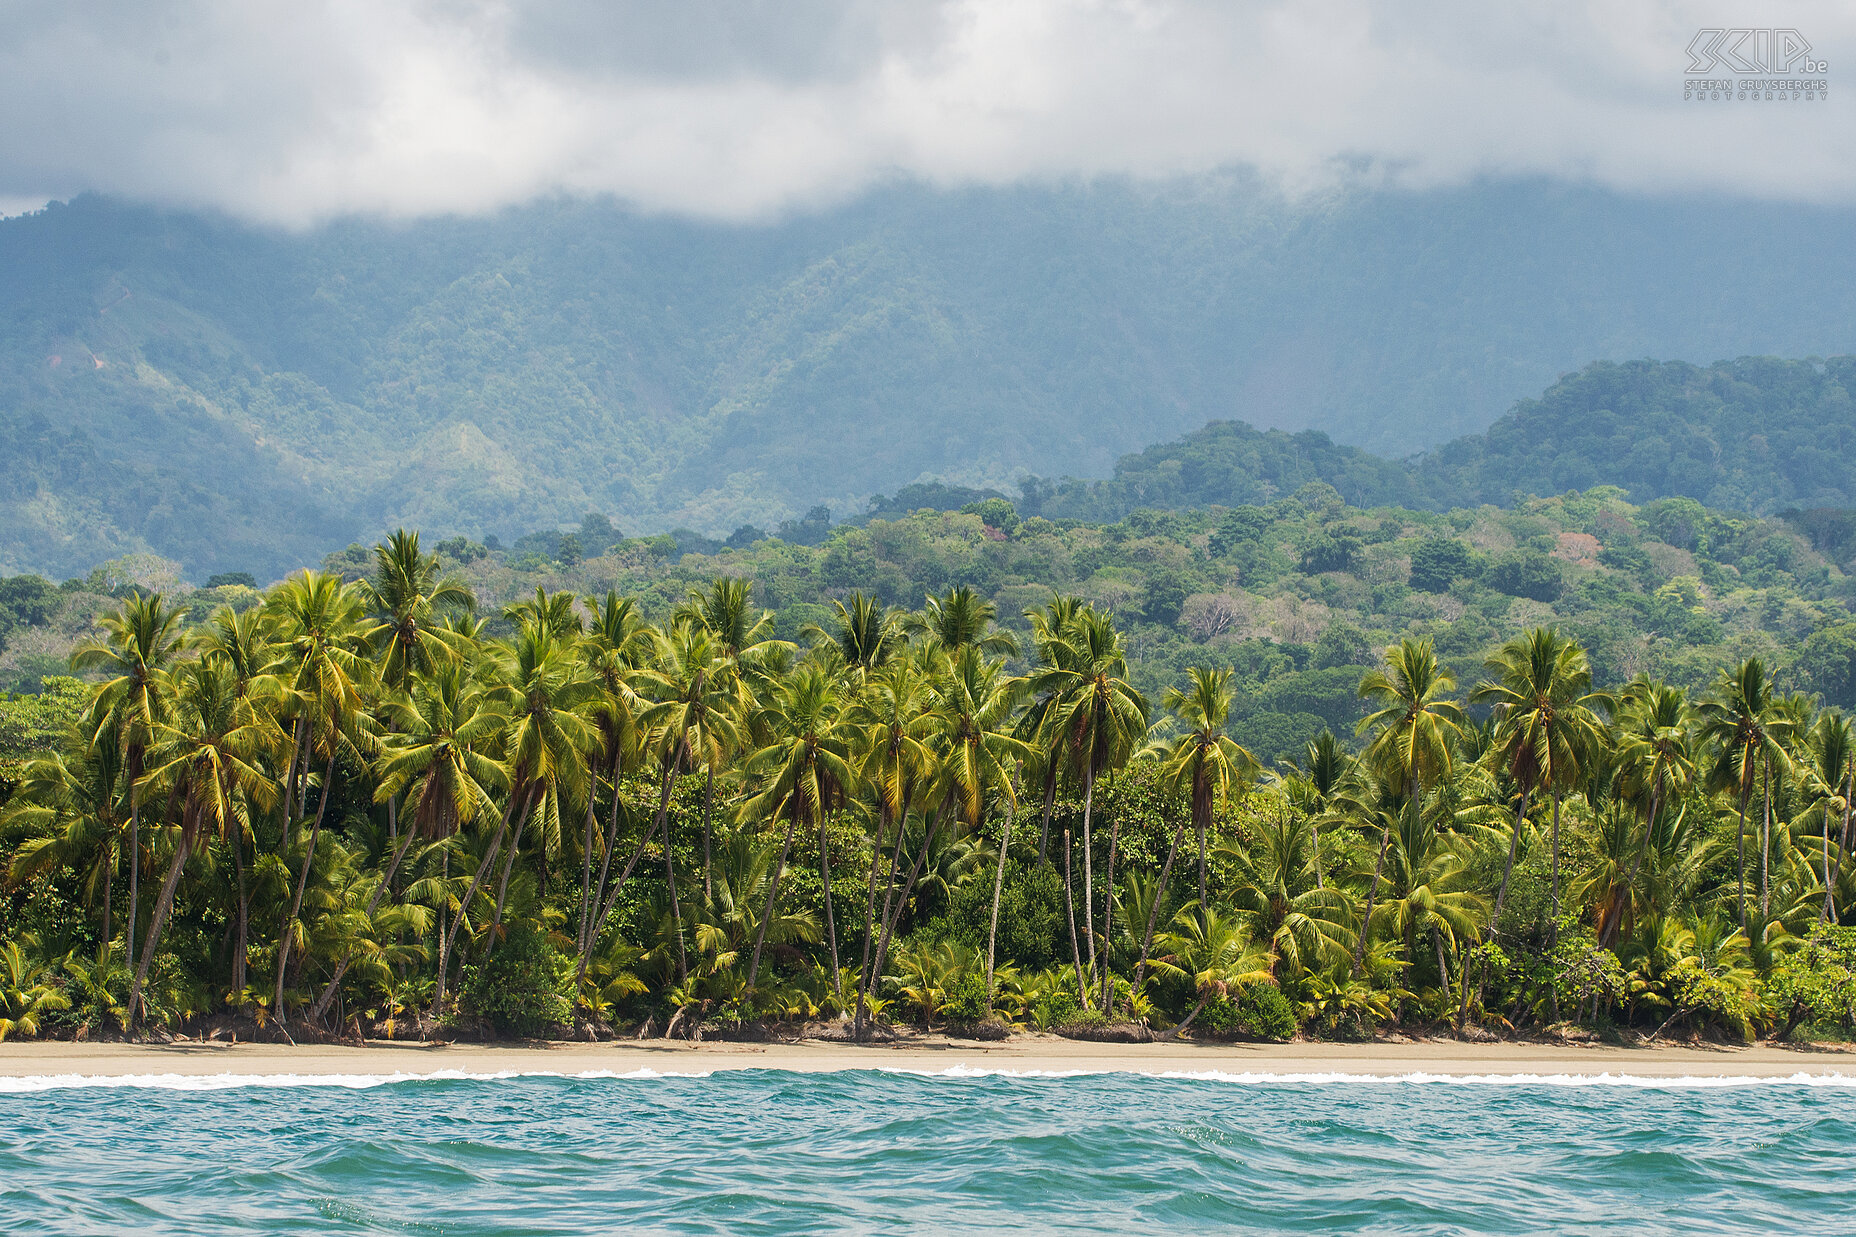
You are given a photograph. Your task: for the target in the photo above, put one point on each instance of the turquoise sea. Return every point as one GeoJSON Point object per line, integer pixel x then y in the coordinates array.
{"type": "Point", "coordinates": [877, 1152]}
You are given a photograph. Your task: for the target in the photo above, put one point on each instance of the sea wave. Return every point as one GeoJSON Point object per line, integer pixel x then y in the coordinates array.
{"type": "Point", "coordinates": [23, 1084]}
{"type": "Point", "coordinates": [28, 1084]}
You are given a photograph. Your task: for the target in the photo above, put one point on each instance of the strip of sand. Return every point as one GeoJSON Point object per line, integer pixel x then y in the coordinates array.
{"type": "Point", "coordinates": [932, 1054]}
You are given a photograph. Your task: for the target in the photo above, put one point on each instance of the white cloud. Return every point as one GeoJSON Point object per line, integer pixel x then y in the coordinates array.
{"type": "Point", "coordinates": [297, 111]}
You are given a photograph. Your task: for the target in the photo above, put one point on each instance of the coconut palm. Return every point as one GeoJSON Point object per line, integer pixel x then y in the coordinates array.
{"type": "Point", "coordinates": [1413, 730]}
{"type": "Point", "coordinates": [1204, 762]}
{"type": "Point", "coordinates": [1214, 953]}
{"type": "Point", "coordinates": [976, 756]}
{"type": "Point", "coordinates": [319, 624]}
{"type": "Point", "coordinates": [140, 643]}
{"type": "Point", "coordinates": [438, 751]}
{"type": "Point", "coordinates": [1547, 730]}
{"type": "Point", "coordinates": [1829, 783]}
{"type": "Point", "coordinates": [404, 600]}
{"type": "Point", "coordinates": [960, 618]}
{"type": "Point", "coordinates": [1739, 721]}
{"type": "Point", "coordinates": [1096, 720]}
{"type": "Point", "coordinates": [800, 773]}
{"type": "Point", "coordinates": [865, 635]}
{"type": "Point", "coordinates": [73, 805]}
{"type": "Point", "coordinates": [206, 756]}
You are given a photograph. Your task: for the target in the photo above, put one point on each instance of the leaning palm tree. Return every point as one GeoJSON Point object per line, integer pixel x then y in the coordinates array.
{"type": "Point", "coordinates": [140, 644]}
{"type": "Point", "coordinates": [892, 724]}
{"type": "Point", "coordinates": [1207, 764]}
{"type": "Point", "coordinates": [206, 758]}
{"type": "Point", "coordinates": [438, 751]}
{"type": "Point", "coordinates": [1656, 763]}
{"type": "Point", "coordinates": [1412, 733]}
{"type": "Point", "coordinates": [1214, 953]}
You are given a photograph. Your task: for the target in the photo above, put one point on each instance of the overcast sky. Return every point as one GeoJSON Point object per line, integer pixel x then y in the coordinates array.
{"type": "Point", "coordinates": [299, 111]}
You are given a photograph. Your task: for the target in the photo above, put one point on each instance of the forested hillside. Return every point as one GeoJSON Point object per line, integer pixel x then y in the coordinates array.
{"type": "Point", "coordinates": [1295, 594]}
{"type": "Point", "coordinates": [240, 399]}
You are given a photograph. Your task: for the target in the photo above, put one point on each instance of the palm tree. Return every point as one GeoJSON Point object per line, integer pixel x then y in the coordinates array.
{"type": "Point", "coordinates": [960, 618]}
{"type": "Point", "coordinates": [1740, 722]}
{"type": "Point", "coordinates": [1547, 730]}
{"type": "Point", "coordinates": [1311, 790]}
{"type": "Point", "coordinates": [75, 802]}
{"type": "Point", "coordinates": [1214, 953]}
{"type": "Point", "coordinates": [866, 634]}
{"type": "Point", "coordinates": [1655, 755]}
{"type": "Point", "coordinates": [977, 756]}
{"type": "Point", "coordinates": [802, 771]}
{"type": "Point", "coordinates": [208, 756]}
{"type": "Point", "coordinates": [1099, 718]}
{"type": "Point", "coordinates": [1208, 764]}
{"type": "Point", "coordinates": [405, 599]}
{"type": "Point", "coordinates": [1412, 730]}
{"type": "Point", "coordinates": [618, 646]}
{"type": "Point", "coordinates": [140, 643]}
{"type": "Point", "coordinates": [1303, 923]}
{"type": "Point", "coordinates": [319, 624]}
{"type": "Point", "coordinates": [440, 736]}
{"type": "Point", "coordinates": [691, 721]}
{"type": "Point", "coordinates": [1830, 782]}
{"type": "Point", "coordinates": [893, 723]}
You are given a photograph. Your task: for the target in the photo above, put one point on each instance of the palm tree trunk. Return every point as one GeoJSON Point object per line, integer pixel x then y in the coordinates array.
{"type": "Point", "coordinates": [244, 911]}
{"type": "Point", "coordinates": [1201, 819]}
{"type": "Point", "coordinates": [889, 925]}
{"type": "Point", "coordinates": [676, 910]}
{"type": "Point", "coordinates": [610, 899]}
{"type": "Point", "coordinates": [592, 917]}
{"type": "Point", "coordinates": [1372, 895]}
{"type": "Point", "coordinates": [286, 933]}
{"type": "Point", "coordinates": [998, 890]}
{"type": "Point", "coordinates": [1314, 834]}
{"type": "Point", "coordinates": [135, 850]}
{"type": "Point", "coordinates": [1745, 794]}
{"type": "Point", "coordinates": [162, 906]}
{"type": "Point", "coordinates": [1050, 799]}
{"type": "Point", "coordinates": [1089, 878]}
{"type": "Point", "coordinates": [831, 922]}
{"type": "Point", "coordinates": [773, 893]}
{"type": "Point", "coordinates": [1495, 919]}
{"type": "Point", "coordinates": [1553, 932]}
{"type": "Point", "coordinates": [109, 879]}
{"type": "Point", "coordinates": [1443, 971]}
{"type": "Point", "coordinates": [1069, 903]}
{"type": "Point", "coordinates": [373, 904]}
{"type": "Point", "coordinates": [586, 865]}
{"type": "Point", "coordinates": [1765, 845]}
{"type": "Point", "coordinates": [863, 967]}
{"type": "Point", "coordinates": [1153, 912]}
{"type": "Point", "coordinates": [708, 834]}
{"type": "Point", "coordinates": [470, 894]}
{"type": "Point", "coordinates": [509, 864]}
{"type": "Point", "coordinates": [1108, 912]}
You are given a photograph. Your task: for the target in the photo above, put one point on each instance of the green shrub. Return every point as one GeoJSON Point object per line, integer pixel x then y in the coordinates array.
{"type": "Point", "coordinates": [523, 989]}
{"type": "Point", "coordinates": [967, 999]}
{"type": "Point", "coordinates": [1255, 1010]}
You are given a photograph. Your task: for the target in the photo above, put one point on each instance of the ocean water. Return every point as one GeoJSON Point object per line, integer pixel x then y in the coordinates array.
{"type": "Point", "coordinates": [965, 1151]}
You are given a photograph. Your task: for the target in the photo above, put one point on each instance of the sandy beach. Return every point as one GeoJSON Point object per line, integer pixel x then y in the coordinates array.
{"type": "Point", "coordinates": [1025, 1053]}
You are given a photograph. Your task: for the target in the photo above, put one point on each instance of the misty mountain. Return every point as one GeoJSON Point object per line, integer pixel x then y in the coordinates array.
{"type": "Point", "coordinates": [243, 398]}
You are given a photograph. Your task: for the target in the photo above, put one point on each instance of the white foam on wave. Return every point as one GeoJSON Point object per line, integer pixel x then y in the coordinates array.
{"type": "Point", "coordinates": [1273, 1077]}
{"type": "Point", "coordinates": [230, 1081]}
{"type": "Point", "coordinates": [353, 1082]}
